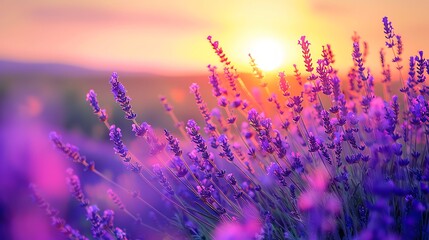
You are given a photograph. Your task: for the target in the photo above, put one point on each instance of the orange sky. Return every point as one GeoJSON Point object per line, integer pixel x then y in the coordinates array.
{"type": "Point", "coordinates": [169, 37]}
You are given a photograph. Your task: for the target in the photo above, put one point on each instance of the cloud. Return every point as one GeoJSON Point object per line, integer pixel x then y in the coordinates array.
{"type": "Point", "coordinates": [114, 17]}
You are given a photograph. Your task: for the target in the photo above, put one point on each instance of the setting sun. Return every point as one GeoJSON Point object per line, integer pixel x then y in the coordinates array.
{"type": "Point", "coordinates": [268, 54]}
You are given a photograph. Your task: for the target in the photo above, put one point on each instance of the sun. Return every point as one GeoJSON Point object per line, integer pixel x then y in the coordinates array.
{"type": "Point", "coordinates": [268, 54]}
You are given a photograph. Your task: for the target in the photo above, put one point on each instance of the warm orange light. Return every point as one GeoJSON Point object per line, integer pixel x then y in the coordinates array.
{"type": "Point", "coordinates": [268, 54]}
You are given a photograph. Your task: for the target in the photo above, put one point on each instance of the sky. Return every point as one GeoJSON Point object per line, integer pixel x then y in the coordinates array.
{"type": "Point", "coordinates": [169, 37]}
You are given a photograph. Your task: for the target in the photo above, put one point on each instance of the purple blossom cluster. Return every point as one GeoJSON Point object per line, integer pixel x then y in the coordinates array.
{"type": "Point", "coordinates": [329, 159]}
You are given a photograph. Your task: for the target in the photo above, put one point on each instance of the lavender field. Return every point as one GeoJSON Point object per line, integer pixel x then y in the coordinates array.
{"type": "Point", "coordinates": [312, 151]}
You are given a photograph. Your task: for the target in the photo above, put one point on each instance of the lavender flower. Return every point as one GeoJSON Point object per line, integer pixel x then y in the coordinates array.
{"type": "Point", "coordinates": [303, 42]}
{"type": "Point", "coordinates": [140, 131]}
{"type": "Point", "coordinates": [193, 130]}
{"type": "Point", "coordinates": [280, 145]}
{"type": "Point", "coordinates": [357, 58]}
{"type": "Point", "coordinates": [284, 85]}
{"type": "Point", "coordinates": [223, 140]}
{"type": "Point", "coordinates": [69, 150]}
{"type": "Point", "coordinates": [297, 75]}
{"type": "Point", "coordinates": [399, 49]}
{"type": "Point", "coordinates": [388, 31]}
{"type": "Point", "coordinates": [57, 221]}
{"type": "Point", "coordinates": [297, 164]}
{"type": "Point", "coordinates": [325, 153]}
{"type": "Point", "coordinates": [231, 75]}
{"type": "Point", "coordinates": [173, 143]}
{"type": "Point", "coordinates": [327, 54]}
{"type": "Point", "coordinates": [91, 97]}
{"type": "Point", "coordinates": [427, 66]}
{"type": "Point", "coordinates": [75, 188]}
{"type": "Point", "coordinates": [195, 89]}
{"type": "Point", "coordinates": [121, 97]}
{"type": "Point", "coordinates": [312, 143]}
{"type": "Point", "coordinates": [214, 81]}
{"type": "Point", "coordinates": [275, 170]}
{"type": "Point", "coordinates": [162, 179]}
{"type": "Point", "coordinates": [115, 198]}
{"type": "Point", "coordinates": [411, 82]}
{"type": "Point", "coordinates": [219, 51]}
{"type": "Point", "coordinates": [120, 149]}
{"type": "Point", "coordinates": [108, 216]}
{"type": "Point", "coordinates": [179, 166]}
{"type": "Point", "coordinates": [253, 118]}
{"type": "Point", "coordinates": [276, 103]}
{"type": "Point", "coordinates": [231, 179]}
{"type": "Point", "coordinates": [421, 65]}
{"type": "Point", "coordinates": [97, 228]}
{"type": "Point", "coordinates": [164, 102]}
{"type": "Point", "coordinates": [256, 70]}
{"type": "Point", "coordinates": [324, 70]}
{"type": "Point", "coordinates": [156, 146]}
{"type": "Point", "coordinates": [120, 234]}
{"type": "Point", "coordinates": [329, 129]}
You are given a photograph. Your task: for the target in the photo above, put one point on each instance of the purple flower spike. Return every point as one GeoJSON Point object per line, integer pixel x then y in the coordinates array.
{"type": "Point", "coordinates": [427, 66]}
{"type": "Point", "coordinates": [297, 75]}
{"type": "Point", "coordinates": [254, 118]}
{"type": "Point", "coordinates": [195, 89]}
{"type": "Point", "coordinates": [120, 234]}
{"type": "Point", "coordinates": [231, 179]}
{"type": "Point", "coordinates": [388, 30]}
{"type": "Point", "coordinates": [116, 138]}
{"type": "Point", "coordinates": [162, 179]}
{"type": "Point", "coordinates": [232, 76]}
{"type": "Point", "coordinates": [421, 65]}
{"type": "Point", "coordinates": [284, 84]}
{"type": "Point", "coordinates": [324, 70]}
{"type": "Point", "coordinates": [193, 130]}
{"type": "Point", "coordinates": [219, 51]}
{"type": "Point", "coordinates": [97, 228]}
{"type": "Point", "coordinates": [312, 146]}
{"type": "Point", "coordinates": [108, 217]}
{"type": "Point", "coordinates": [57, 221]}
{"type": "Point", "coordinates": [75, 188]}
{"type": "Point", "coordinates": [306, 54]}
{"type": "Point", "coordinates": [121, 97]}
{"type": "Point", "coordinates": [214, 81]}
{"type": "Point", "coordinates": [280, 145]}
{"type": "Point", "coordinates": [91, 97]}
{"type": "Point", "coordinates": [70, 150]}
{"type": "Point", "coordinates": [357, 58]}
{"type": "Point", "coordinates": [276, 171]}
{"type": "Point", "coordinates": [178, 164]}
{"type": "Point", "coordinates": [141, 130]}
{"type": "Point", "coordinates": [223, 140]}
{"type": "Point", "coordinates": [165, 103]}
{"type": "Point", "coordinates": [116, 199]}
{"type": "Point", "coordinates": [173, 143]}
{"type": "Point", "coordinates": [399, 49]}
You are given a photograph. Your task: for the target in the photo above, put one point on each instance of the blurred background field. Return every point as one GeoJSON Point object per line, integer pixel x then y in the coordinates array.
{"type": "Point", "coordinates": [39, 98]}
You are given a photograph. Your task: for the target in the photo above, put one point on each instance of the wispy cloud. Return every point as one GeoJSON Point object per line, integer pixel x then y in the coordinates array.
{"type": "Point", "coordinates": [109, 17]}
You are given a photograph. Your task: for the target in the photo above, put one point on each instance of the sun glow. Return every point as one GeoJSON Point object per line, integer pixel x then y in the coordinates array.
{"type": "Point", "coordinates": [268, 54]}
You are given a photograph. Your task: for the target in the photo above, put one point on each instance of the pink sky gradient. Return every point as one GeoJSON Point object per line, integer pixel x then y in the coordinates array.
{"type": "Point", "coordinates": [169, 37]}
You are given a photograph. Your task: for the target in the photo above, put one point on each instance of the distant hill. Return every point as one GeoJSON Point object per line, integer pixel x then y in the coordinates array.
{"type": "Point", "coordinates": [61, 89]}
{"type": "Point", "coordinates": [14, 67]}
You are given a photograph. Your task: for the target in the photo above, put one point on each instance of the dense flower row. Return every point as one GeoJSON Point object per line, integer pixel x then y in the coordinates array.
{"type": "Point", "coordinates": [328, 161]}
